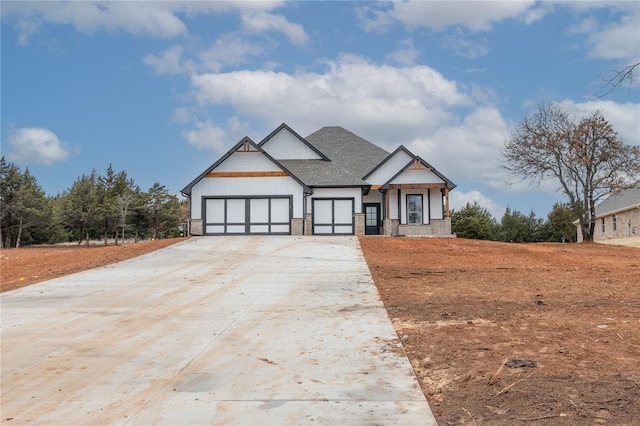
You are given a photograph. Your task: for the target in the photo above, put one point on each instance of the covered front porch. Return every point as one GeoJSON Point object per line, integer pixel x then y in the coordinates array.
{"type": "Point", "coordinates": [408, 209]}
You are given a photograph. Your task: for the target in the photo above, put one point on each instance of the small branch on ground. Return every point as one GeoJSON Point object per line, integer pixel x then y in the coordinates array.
{"type": "Point", "coordinates": [533, 419]}
{"type": "Point", "coordinates": [513, 384]}
{"type": "Point", "coordinates": [495, 376]}
{"type": "Point", "coordinates": [467, 411]}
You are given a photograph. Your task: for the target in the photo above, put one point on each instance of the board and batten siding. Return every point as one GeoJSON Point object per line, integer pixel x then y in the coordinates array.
{"type": "Point", "coordinates": [417, 176]}
{"type": "Point", "coordinates": [247, 162]}
{"type": "Point", "coordinates": [393, 204]}
{"type": "Point", "coordinates": [285, 146]}
{"type": "Point", "coordinates": [355, 193]}
{"type": "Point", "coordinates": [249, 186]}
{"type": "Point", "coordinates": [389, 168]}
{"type": "Point", "coordinates": [436, 204]}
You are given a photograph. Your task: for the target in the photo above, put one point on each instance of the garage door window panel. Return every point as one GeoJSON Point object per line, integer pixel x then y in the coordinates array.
{"type": "Point", "coordinates": [343, 211]}
{"type": "Point", "coordinates": [215, 211]}
{"type": "Point", "coordinates": [259, 210]}
{"type": "Point", "coordinates": [323, 212]}
{"type": "Point", "coordinates": [236, 211]}
{"type": "Point", "coordinates": [259, 229]}
{"type": "Point", "coordinates": [280, 210]}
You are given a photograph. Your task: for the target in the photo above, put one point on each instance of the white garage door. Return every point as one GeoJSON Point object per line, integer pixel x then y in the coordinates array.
{"type": "Point", "coordinates": [333, 216]}
{"type": "Point", "coordinates": [247, 215]}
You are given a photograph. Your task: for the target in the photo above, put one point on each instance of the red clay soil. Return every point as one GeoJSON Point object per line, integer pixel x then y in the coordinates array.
{"type": "Point", "coordinates": [29, 265]}
{"type": "Point", "coordinates": [465, 308]}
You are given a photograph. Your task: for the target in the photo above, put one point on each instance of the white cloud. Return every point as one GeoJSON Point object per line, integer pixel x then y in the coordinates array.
{"type": "Point", "coordinates": [469, 149]}
{"type": "Point", "coordinates": [438, 15]}
{"type": "Point", "coordinates": [616, 39]}
{"type": "Point", "coordinates": [464, 47]}
{"type": "Point", "coordinates": [227, 50]}
{"type": "Point", "coordinates": [459, 199]}
{"type": "Point", "coordinates": [619, 40]}
{"type": "Point", "coordinates": [261, 22]}
{"type": "Point", "coordinates": [206, 135]}
{"type": "Point", "coordinates": [155, 19]}
{"type": "Point", "coordinates": [183, 115]}
{"type": "Point", "coordinates": [585, 26]}
{"type": "Point", "coordinates": [34, 145]}
{"type": "Point", "coordinates": [158, 19]}
{"type": "Point", "coordinates": [374, 20]}
{"type": "Point", "coordinates": [25, 30]}
{"type": "Point", "coordinates": [405, 54]}
{"type": "Point", "coordinates": [169, 62]}
{"type": "Point", "coordinates": [351, 92]}
{"type": "Point", "coordinates": [624, 117]}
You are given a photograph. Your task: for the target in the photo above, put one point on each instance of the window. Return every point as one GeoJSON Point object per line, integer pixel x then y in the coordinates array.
{"type": "Point", "coordinates": [603, 224]}
{"type": "Point", "coordinates": [414, 209]}
{"type": "Point", "coordinates": [615, 222]}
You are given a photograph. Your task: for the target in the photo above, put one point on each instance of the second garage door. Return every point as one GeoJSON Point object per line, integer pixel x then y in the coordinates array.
{"type": "Point", "coordinates": [333, 216]}
{"type": "Point", "coordinates": [247, 215]}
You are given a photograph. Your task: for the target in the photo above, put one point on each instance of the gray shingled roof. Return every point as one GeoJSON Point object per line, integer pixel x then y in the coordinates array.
{"type": "Point", "coordinates": [321, 173]}
{"type": "Point", "coordinates": [347, 150]}
{"type": "Point", "coordinates": [626, 199]}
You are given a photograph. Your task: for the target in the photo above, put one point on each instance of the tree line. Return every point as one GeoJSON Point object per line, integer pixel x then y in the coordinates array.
{"type": "Point", "coordinates": [107, 206]}
{"type": "Point", "coordinates": [476, 222]}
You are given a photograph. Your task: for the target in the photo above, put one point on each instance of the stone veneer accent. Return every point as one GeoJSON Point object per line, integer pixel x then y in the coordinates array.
{"type": "Point", "coordinates": [195, 228]}
{"type": "Point", "coordinates": [297, 226]}
{"type": "Point", "coordinates": [359, 224]}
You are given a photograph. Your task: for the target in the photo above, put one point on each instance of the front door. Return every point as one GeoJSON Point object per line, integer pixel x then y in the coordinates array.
{"type": "Point", "coordinates": [372, 218]}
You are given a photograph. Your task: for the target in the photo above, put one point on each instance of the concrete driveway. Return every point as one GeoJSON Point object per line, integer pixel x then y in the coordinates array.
{"type": "Point", "coordinates": [215, 330]}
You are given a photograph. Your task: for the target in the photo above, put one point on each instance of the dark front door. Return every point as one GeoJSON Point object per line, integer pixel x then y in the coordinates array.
{"type": "Point", "coordinates": [372, 219]}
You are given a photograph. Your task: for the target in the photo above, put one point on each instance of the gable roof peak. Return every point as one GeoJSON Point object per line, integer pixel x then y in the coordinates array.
{"type": "Point", "coordinates": [296, 135]}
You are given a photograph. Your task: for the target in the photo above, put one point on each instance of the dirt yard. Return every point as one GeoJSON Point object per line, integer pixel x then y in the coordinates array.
{"type": "Point", "coordinates": [464, 308]}
{"type": "Point", "coordinates": [30, 265]}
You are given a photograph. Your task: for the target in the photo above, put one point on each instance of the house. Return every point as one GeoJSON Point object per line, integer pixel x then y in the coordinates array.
{"type": "Point", "coordinates": [331, 182]}
{"type": "Point", "coordinates": [618, 216]}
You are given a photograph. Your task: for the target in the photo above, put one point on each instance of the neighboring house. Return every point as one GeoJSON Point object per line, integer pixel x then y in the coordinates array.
{"type": "Point", "coordinates": [331, 182]}
{"type": "Point", "coordinates": [618, 216]}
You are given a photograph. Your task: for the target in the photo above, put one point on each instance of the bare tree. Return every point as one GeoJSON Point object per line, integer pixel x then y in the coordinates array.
{"type": "Point", "coordinates": [587, 159]}
{"type": "Point", "coordinates": [618, 78]}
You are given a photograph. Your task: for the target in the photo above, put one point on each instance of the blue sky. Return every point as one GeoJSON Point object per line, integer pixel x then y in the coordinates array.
{"type": "Point", "coordinates": [163, 89]}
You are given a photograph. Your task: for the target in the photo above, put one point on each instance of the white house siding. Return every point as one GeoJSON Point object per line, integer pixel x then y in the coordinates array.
{"type": "Point", "coordinates": [389, 169]}
{"type": "Point", "coordinates": [247, 162]}
{"type": "Point", "coordinates": [374, 196]}
{"type": "Point", "coordinates": [250, 186]}
{"type": "Point", "coordinates": [393, 204]}
{"type": "Point", "coordinates": [436, 206]}
{"type": "Point", "coordinates": [355, 193]}
{"type": "Point", "coordinates": [285, 146]}
{"type": "Point", "coordinates": [417, 176]}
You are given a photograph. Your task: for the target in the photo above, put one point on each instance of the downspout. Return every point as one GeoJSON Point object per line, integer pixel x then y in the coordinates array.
{"type": "Point", "coordinates": [304, 212]}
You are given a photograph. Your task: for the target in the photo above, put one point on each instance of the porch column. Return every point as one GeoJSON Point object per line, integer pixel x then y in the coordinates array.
{"type": "Point", "coordinates": [446, 196]}
{"type": "Point", "coordinates": [386, 204]}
